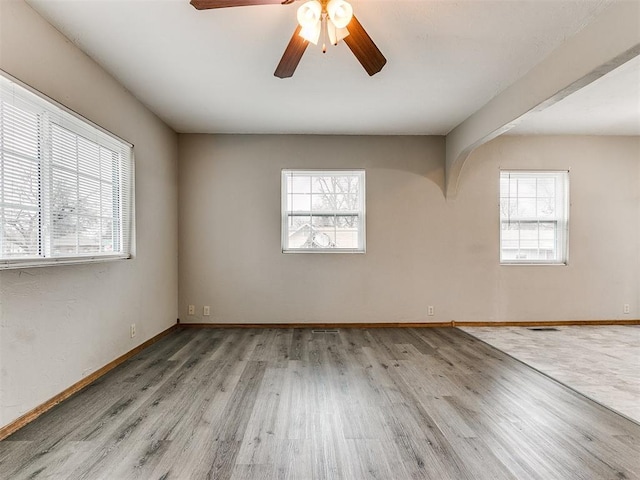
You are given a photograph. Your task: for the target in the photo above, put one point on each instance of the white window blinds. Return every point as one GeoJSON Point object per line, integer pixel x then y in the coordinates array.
{"type": "Point", "coordinates": [20, 171]}
{"type": "Point", "coordinates": [66, 186]}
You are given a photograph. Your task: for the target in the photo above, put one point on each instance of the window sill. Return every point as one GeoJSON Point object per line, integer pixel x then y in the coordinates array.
{"type": "Point", "coordinates": [49, 262]}
{"type": "Point", "coordinates": [534, 264]}
{"type": "Point", "coordinates": [323, 250]}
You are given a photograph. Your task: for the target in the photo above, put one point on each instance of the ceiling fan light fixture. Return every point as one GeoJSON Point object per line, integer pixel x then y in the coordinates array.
{"type": "Point", "coordinates": [309, 14]}
{"type": "Point", "coordinates": [340, 13]}
{"type": "Point", "coordinates": [329, 17]}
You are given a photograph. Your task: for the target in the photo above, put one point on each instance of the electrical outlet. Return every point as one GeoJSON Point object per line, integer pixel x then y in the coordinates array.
{"type": "Point", "coordinates": [430, 310]}
{"type": "Point", "coordinates": [626, 308]}
{"type": "Point", "coordinates": [192, 309]}
{"type": "Point", "coordinates": [206, 311]}
{"type": "Point", "coordinates": [133, 330]}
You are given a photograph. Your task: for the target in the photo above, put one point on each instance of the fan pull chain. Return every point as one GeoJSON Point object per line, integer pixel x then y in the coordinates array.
{"type": "Point", "coordinates": [324, 33]}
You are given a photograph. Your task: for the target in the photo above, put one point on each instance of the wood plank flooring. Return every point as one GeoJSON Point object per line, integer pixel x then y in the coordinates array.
{"type": "Point", "coordinates": [601, 362]}
{"type": "Point", "coordinates": [293, 404]}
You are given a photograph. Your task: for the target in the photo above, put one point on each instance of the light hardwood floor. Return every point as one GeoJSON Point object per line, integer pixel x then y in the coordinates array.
{"type": "Point", "coordinates": [294, 404]}
{"type": "Point", "coordinates": [602, 362]}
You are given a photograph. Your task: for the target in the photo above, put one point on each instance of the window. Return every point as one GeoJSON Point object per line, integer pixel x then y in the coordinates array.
{"type": "Point", "coordinates": [323, 211]}
{"type": "Point", "coordinates": [66, 186]}
{"type": "Point", "coordinates": [534, 212]}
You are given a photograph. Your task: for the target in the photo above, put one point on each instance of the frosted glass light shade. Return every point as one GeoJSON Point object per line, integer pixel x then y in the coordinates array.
{"type": "Point", "coordinates": [336, 34]}
{"type": "Point", "coordinates": [309, 14]}
{"type": "Point", "coordinates": [312, 33]}
{"type": "Point", "coordinates": [340, 13]}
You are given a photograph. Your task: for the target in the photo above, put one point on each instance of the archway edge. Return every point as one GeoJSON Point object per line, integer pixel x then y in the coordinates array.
{"type": "Point", "coordinates": [611, 40]}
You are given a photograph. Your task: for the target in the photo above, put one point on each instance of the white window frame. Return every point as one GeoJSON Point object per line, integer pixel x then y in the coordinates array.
{"type": "Point", "coordinates": [56, 121]}
{"type": "Point", "coordinates": [560, 219]}
{"type": "Point", "coordinates": [358, 212]}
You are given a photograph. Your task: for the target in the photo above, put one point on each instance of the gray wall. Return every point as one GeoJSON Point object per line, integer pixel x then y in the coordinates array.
{"type": "Point", "coordinates": [604, 261]}
{"type": "Point", "coordinates": [61, 323]}
{"type": "Point", "coordinates": [421, 249]}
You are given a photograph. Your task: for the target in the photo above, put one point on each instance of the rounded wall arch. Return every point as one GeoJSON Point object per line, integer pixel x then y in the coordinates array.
{"type": "Point", "coordinates": [581, 60]}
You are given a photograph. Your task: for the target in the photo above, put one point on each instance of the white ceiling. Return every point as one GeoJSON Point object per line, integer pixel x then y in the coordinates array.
{"type": "Point", "coordinates": [608, 106]}
{"type": "Point", "coordinates": [212, 71]}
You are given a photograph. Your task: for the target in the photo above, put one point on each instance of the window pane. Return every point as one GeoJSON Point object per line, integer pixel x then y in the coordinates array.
{"type": "Point", "coordinates": [526, 188]}
{"type": "Point", "coordinates": [63, 148]}
{"type": "Point", "coordinates": [89, 196]}
{"type": "Point", "coordinates": [323, 232]}
{"type": "Point", "coordinates": [546, 207]}
{"type": "Point", "coordinates": [510, 237]}
{"type": "Point", "coordinates": [299, 229]}
{"type": "Point", "coordinates": [323, 184]}
{"type": "Point", "coordinates": [108, 208]}
{"type": "Point", "coordinates": [528, 235]}
{"type": "Point", "coordinates": [108, 162]}
{"type": "Point", "coordinates": [20, 181]}
{"type": "Point", "coordinates": [504, 186]}
{"type": "Point", "coordinates": [64, 201]}
{"type": "Point", "coordinates": [513, 187]}
{"type": "Point", "coordinates": [88, 157]}
{"type": "Point", "coordinates": [508, 208]}
{"type": "Point", "coordinates": [321, 202]}
{"type": "Point", "coordinates": [300, 184]}
{"type": "Point", "coordinates": [65, 238]}
{"type": "Point", "coordinates": [20, 133]}
{"type": "Point", "coordinates": [547, 234]}
{"type": "Point", "coordinates": [526, 207]}
{"type": "Point", "coordinates": [299, 203]}
{"type": "Point", "coordinates": [347, 202]}
{"type": "Point", "coordinates": [546, 187]}
{"type": "Point", "coordinates": [324, 222]}
{"type": "Point", "coordinates": [108, 235]}
{"type": "Point", "coordinates": [20, 230]}
{"type": "Point", "coordinates": [89, 230]}
{"type": "Point", "coordinates": [347, 231]}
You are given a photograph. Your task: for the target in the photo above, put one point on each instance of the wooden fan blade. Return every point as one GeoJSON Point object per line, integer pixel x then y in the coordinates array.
{"type": "Point", "coordinates": [208, 4]}
{"type": "Point", "coordinates": [292, 55]}
{"type": "Point", "coordinates": [363, 47]}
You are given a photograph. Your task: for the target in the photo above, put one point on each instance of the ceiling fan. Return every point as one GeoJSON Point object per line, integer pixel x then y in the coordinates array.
{"type": "Point", "coordinates": [332, 18]}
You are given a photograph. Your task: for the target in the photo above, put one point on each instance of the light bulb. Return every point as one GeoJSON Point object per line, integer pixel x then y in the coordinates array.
{"type": "Point", "coordinates": [309, 14]}
{"type": "Point", "coordinates": [340, 13]}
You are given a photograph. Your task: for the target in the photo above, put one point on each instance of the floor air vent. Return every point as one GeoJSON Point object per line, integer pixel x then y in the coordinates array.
{"type": "Point", "coordinates": [324, 331]}
{"type": "Point", "coordinates": [544, 329]}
